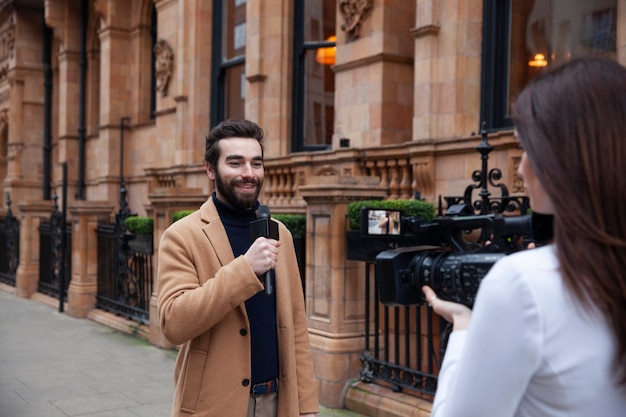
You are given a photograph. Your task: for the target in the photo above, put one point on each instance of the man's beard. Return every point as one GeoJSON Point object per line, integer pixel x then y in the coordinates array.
{"type": "Point", "coordinates": [229, 193]}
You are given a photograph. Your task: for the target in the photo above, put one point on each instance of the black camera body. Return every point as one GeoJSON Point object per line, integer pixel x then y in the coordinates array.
{"type": "Point", "coordinates": [440, 254]}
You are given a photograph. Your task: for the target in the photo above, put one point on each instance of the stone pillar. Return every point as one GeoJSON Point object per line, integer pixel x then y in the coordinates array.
{"type": "Point", "coordinates": [163, 204]}
{"type": "Point", "coordinates": [374, 77]}
{"type": "Point", "coordinates": [30, 215]}
{"type": "Point", "coordinates": [448, 49]}
{"type": "Point", "coordinates": [81, 294]}
{"type": "Point", "coordinates": [335, 292]}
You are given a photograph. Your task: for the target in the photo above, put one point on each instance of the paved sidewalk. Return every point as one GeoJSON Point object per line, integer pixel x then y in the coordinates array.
{"type": "Point", "coordinates": [53, 365]}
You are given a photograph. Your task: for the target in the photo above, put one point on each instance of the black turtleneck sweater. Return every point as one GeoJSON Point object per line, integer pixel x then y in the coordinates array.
{"type": "Point", "coordinates": [261, 308]}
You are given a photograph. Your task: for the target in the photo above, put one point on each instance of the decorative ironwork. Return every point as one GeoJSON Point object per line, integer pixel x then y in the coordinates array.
{"type": "Point", "coordinates": [484, 178]}
{"type": "Point", "coordinates": [128, 296]}
{"type": "Point", "coordinates": [56, 229]}
{"type": "Point", "coordinates": [127, 281]}
{"type": "Point", "coordinates": [55, 262]}
{"type": "Point", "coordinates": [10, 258]}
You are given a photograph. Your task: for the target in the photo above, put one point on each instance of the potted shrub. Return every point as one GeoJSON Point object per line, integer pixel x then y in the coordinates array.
{"type": "Point", "coordinates": [140, 230]}
{"type": "Point", "coordinates": [361, 246]}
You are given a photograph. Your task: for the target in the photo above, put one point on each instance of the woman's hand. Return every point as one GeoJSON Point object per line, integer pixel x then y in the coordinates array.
{"type": "Point", "coordinates": [455, 313]}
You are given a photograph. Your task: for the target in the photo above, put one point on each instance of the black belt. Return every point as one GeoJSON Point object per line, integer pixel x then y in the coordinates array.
{"type": "Point", "coordinates": [264, 388]}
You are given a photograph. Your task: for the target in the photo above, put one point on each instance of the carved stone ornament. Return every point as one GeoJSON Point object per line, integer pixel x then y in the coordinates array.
{"type": "Point", "coordinates": [163, 65]}
{"type": "Point", "coordinates": [7, 39]}
{"type": "Point", "coordinates": [354, 13]}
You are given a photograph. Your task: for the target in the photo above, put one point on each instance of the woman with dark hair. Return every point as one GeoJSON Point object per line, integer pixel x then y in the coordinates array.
{"type": "Point", "coordinates": [547, 335]}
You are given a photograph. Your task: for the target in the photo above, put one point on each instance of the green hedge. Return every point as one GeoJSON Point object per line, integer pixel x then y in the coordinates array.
{"type": "Point", "coordinates": [139, 225]}
{"type": "Point", "coordinates": [177, 215]}
{"type": "Point", "coordinates": [412, 208]}
{"type": "Point", "coordinates": [296, 223]}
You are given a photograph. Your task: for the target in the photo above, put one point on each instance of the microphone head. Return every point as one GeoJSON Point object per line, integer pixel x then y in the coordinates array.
{"type": "Point", "coordinates": [263, 212]}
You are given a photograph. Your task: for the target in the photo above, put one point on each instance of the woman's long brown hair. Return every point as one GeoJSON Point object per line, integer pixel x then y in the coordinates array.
{"type": "Point", "coordinates": [571, 122]}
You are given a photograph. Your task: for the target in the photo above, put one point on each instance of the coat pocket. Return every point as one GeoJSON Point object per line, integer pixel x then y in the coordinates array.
{"type": "Point", "coordinates": [192, 383]}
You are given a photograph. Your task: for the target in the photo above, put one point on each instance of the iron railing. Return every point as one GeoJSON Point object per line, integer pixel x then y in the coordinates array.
{"type": "Point", "coordinates": [55, 261]}
{"type": "Point", "coordinates": [125, 294]}
{"type": "Point", "coordinates": [402, 344]}
{"type": "Point", "coordinates": [50, 258]}
{"type": "Point", "coordinates": [9, 245]}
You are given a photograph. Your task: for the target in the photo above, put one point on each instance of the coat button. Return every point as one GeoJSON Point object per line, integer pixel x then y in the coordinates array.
{"type": "Point", "coordinates": [245, 382]}
{"type": "Point", "coordinates": [243, 332]}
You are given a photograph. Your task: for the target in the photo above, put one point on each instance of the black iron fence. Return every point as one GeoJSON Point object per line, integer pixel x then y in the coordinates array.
{"type": "Point", "coordinates": [55, 260]}
{"type": "Point", "coordinates": [402, 344]}
{"type": "Point", "coordinates": [9, 246]}
{"type": "Point", "coordinates": [50, 258]}
{"type": "Point", "coordinates": [124, 276]}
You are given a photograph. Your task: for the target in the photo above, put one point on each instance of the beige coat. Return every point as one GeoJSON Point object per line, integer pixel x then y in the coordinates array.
{"type": "Point", "coordinates": [201, 295]}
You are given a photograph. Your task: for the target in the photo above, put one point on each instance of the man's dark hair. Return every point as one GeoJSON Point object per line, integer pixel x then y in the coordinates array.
{"type": "Point", "coordinates": [230, 129]}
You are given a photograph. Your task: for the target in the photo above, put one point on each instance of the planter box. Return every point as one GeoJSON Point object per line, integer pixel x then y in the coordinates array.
{"type": "Point", "coordinates": [139, 243]}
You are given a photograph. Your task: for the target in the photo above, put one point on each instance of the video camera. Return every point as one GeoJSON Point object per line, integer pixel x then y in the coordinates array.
{"type": "Point", "coordinates": [441, 256]}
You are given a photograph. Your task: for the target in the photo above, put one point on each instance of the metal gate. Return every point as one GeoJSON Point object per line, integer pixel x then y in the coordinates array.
{"type": "Point", "coordinates": [55, 260]}
{"type": "Point", "coordinates": [9, 246]}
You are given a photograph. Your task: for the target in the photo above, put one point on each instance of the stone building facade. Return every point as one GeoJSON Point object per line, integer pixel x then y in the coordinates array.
{"type": "Point", "coordinates": [111, 90]}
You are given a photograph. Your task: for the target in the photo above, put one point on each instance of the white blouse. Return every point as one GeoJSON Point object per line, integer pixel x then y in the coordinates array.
{"type": "Point", "coordinates": [530, 350]}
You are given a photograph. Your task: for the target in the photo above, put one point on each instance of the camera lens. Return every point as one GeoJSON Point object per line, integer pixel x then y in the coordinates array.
{"type": "Point", "coordinates": [453, 276]}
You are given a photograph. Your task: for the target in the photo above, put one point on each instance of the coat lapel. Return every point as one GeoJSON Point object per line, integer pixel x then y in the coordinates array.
{"type": "Point", "coordinates": [215, 232]}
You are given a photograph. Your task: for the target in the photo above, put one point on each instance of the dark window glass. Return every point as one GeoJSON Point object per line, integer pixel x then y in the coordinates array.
{"type": "Point", "coordinates": [153, 37]}
{"type": "Point", "coordinates": [228, 80]}
{"type": "Point", "coordinates": [314, 79]}
{"type": "Point", "coordinates": [521, 37]}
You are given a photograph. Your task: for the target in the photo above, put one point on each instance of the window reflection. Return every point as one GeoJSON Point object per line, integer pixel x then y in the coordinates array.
{"type": "Point", "coordinates": [234, 46]}
{"type": "Point", "coordinates": [549, 32]}
{"type": "Point", "coordinates": [319, 78]}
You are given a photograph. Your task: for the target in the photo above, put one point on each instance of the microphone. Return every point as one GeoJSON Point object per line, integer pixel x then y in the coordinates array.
{"type": "Point", "coordinates": [266, 227]}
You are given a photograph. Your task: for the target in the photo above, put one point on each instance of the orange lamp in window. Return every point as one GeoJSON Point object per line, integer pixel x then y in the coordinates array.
{"type": "Point", "coordinates": [326, 56]}
{"type": "Point", "coordinates": [538, 61]}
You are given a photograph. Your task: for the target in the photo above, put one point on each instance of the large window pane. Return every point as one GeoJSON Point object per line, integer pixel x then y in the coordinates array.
{"type": "Point", "coordinates": [314, 79]}
{"type": "Point", "coordinates": [236, 88]}
{"type": "Point", "coordinates": [234, 29]}
{"type": "Point", "coordinates": [549, 32]}
{"type": "Point", "coordinates": [524, 36]}
{"type": "Point", "coordinates": [228, 81]}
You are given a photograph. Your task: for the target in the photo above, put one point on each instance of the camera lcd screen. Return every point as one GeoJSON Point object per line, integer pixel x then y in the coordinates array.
{"type": "Point", "coordinates": [384, 222]}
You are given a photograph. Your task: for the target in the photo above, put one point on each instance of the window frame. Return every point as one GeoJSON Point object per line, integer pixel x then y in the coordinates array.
{"type": "Point", "coordinates": [153, 41]}
{"type": "Point", "coordinates": [495, 65]}
{"type": "Point", "coordinates": [300, 49]}
{"type": "Point", "coordinates": [219, 66]}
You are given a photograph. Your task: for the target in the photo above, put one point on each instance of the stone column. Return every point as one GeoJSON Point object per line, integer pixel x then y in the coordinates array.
{"type": "Point", "coordinates": [27, 275]}
{"type": "Point", "coordinates": [374, 76]}
{"type": "Point", "coordinates": [447, 69]}
{"type": "Point", "coordinates": [163, 204]}
{"type": "Point", "coordinates": [335, 292]}
{"type": "Point", "coordinates": [81, 294]}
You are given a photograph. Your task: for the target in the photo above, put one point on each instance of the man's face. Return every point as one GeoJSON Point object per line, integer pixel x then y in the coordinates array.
{"type": "Point", "coordinates": [239, 174]}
